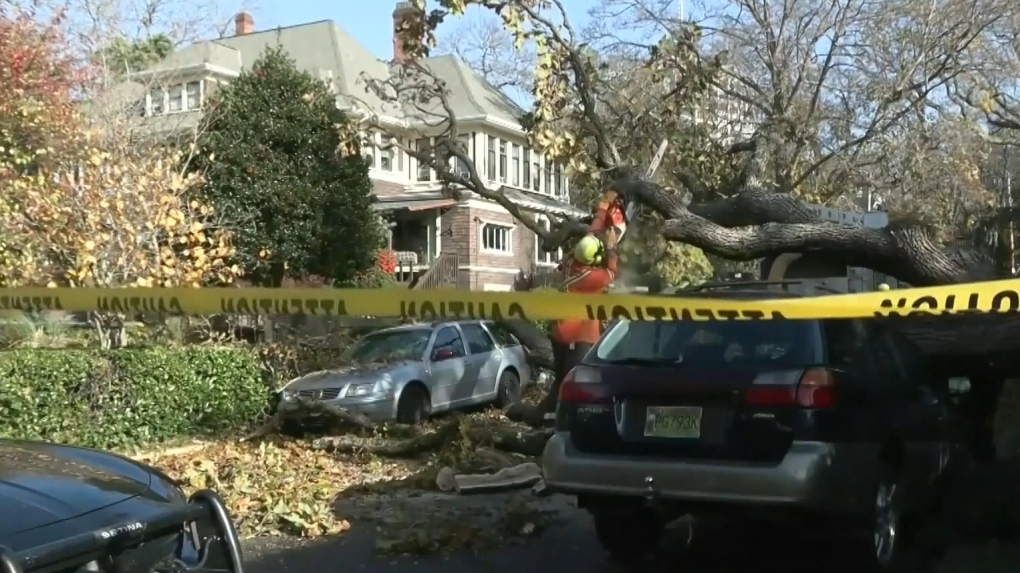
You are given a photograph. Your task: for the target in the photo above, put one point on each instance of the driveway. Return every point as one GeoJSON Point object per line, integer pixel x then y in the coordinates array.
{"type": "Point", "coordinates": [566, 544]}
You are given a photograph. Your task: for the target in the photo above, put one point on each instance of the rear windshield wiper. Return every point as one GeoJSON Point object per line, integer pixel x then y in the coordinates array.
{"type": "Point", "coordinates": [645, 361]}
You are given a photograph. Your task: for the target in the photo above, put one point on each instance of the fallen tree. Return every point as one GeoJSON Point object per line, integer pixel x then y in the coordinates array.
{"type": "Point", "coordinates": [744, 201]}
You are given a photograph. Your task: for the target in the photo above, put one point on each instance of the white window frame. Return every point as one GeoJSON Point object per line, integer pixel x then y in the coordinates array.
{"type": "Point", "coordinates": [151, 107]}
{"type": "Point", "coordinates": [187, 95]}
{"type": "Point", "coordinates": [177, 90]}
{"type": "Point", "coordinates": [540, 255]}
{"type": "Point", "coordinates": [509, 227]}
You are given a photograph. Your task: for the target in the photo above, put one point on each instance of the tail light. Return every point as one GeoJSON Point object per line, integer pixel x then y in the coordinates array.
{"type": "Point", "coordinates": [583, 385]}
{"type": "Point", "coordinates": [813, 388]}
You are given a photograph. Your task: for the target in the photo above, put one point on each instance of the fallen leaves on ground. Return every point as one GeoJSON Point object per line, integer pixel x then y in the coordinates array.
{"type": "Point", "coordinates": [282, 486]}
{"type": "Point", "coordinates": [278, 486]}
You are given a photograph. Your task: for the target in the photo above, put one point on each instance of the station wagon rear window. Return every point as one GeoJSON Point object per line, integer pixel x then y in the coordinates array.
{"type": "Point", "coordinates": [762, 344]}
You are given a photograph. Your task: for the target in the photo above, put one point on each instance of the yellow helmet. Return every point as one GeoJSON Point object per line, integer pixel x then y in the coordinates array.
{"type": "Point", "coordinates": [588, 250]}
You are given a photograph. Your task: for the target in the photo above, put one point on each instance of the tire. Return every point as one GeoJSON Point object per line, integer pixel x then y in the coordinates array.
{"type": "Point", "coordinates": [508, 391]}
{"type": "Point", "coordinates": [414, 406]}
{"type": "Point", "coordinates": [880, 544]}
{"type": "Point", "coordinates": [628, 534]}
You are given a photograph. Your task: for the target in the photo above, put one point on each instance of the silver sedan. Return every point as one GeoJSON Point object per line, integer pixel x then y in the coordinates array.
{"type": "Point", "coordinates": [407, 373]}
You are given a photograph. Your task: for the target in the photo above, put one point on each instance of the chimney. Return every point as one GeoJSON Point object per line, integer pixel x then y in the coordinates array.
{"type": "Point", "coordinates": [400, 14]}
{"type": "Point", "coordinates": [243, 24]}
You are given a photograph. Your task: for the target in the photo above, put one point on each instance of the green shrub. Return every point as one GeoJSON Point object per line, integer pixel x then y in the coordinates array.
{"type": "Point", "coordinates": [128, 397]}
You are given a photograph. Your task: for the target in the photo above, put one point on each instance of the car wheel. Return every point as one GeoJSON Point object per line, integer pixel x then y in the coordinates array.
{"type": "Point", "coordinates": [414, 406]}
{"type": "Point", "coordinates": [880, 546]}
{"type": "Point", "coordinates": [628, 535]}
{"type": "Point", "coordinates": [509, 389]}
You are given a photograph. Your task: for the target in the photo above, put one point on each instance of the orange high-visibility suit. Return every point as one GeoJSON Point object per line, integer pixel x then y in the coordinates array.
{"type": "Point", "coordinates": [572, 339]}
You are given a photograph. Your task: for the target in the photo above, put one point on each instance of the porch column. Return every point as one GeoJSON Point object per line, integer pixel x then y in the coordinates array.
{"type": "Point", "coordinates": [436, 241]}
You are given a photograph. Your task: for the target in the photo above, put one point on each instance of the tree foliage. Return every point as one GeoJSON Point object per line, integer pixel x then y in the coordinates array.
{"type": "Point", "coordinates": [83, 205]}
{"type": "Point", "coordinates": [37, 75]}
{"type": "Point", "coordinates": [272, 157]}
{"type": "Point", "coordinates": [123, 56]}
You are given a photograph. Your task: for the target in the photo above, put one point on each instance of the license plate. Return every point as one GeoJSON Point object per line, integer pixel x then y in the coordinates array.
{"type": "Point", "coordinates": [673, 422]}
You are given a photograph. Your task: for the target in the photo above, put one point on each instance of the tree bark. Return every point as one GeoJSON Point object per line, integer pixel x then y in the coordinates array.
{"type": "Point", "coordinates": [755, 223]}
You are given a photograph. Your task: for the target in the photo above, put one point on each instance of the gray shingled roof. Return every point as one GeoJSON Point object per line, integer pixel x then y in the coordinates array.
{"type": "Point", "coordinates": [469, 93]}
{"type": "Point", "coordinates": [327, 51]}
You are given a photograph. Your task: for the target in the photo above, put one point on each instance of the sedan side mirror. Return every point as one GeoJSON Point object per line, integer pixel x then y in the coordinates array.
{"type": "Point", "coordinates": [440, 354]}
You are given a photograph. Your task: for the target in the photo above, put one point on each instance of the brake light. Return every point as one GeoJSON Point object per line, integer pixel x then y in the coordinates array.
{"type": "Point", "coordinates": [583, 384]}
{"type": "Point", "coordinates": [814, 388]}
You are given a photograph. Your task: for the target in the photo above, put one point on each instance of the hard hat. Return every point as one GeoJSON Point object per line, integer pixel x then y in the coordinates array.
{"type": "Point", "coordinates": [588, 251]}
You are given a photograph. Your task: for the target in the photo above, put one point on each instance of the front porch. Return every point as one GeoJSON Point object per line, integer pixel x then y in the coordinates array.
{"type": "Point", "coordinates": [414, 234]}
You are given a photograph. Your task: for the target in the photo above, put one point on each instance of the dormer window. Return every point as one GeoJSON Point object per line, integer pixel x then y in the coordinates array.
{"type": "Point", "coordinates": [176, 99]}
{"type": "Point", "coordinates": [194, 95]}
{"type": "Point", "coordinates": [156, 101]}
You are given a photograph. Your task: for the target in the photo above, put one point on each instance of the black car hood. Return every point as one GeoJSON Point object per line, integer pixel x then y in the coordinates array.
{"type": "Point", "coordinates": [42, 484]}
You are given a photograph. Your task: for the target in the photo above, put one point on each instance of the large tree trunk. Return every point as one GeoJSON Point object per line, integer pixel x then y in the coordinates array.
{"type": "Point", "coordinates": [755, 223]}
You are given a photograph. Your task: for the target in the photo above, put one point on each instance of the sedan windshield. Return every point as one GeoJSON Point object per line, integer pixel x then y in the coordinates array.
{"type": "Point", "coordinates": [763, 344]}
{"type": "Point", "coordinates": [391, 345]}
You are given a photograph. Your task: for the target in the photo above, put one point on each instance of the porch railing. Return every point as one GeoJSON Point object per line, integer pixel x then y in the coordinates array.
{"type": "Point", "coordinates": [442, 273]}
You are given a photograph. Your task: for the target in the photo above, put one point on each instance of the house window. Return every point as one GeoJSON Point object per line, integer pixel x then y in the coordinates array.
{"type": "Point", "coordinates": [497, 238]}
{"type": "Point", "coordinates": [194, 95]}
{"type": "Point", "coordinates": [424, 148]}
{"type": "Point", "coordinates": [490, 167]}
{"type": "Point", "coordinates": [502, 161]}
{"type": "Point", "coordinates": [515, 167]}
{"type": "Point", "coordinates": [527, 167]}
{"type": "Point", "coordinates": [386, 156]}
{"type": "Point", "coordinates": [465, 147]}
{"type": "Point", "coordinates": [176, 98]}
{"type": "Point", "coordinates": [558, 179]}
{"type": "Point", "coordinates": [156, 97]}
{"type": "Point", "coordinates": [542, 256]}
{"type": "Point", "coordinates": [536, 173]}
{"type": "Point", "coordinates": [548, 177]}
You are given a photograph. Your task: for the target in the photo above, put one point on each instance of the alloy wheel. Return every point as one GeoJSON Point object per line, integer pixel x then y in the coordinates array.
{"type": "Point", "coordinates": [887, 517]}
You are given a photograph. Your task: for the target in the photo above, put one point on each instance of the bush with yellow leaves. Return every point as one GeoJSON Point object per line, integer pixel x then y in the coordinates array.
{"type": "Point", "coordinates": [117, 221]}
{"type": "Point", "coordinates": [84, 204]}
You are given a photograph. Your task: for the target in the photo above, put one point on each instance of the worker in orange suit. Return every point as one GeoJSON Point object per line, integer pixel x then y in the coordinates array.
{"type": "Point", "coordinates": [589, 269]}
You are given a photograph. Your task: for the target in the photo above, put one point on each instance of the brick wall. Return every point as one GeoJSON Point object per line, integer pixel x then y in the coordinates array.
{"type": "Point", "coordinates": [455, 225]}
{"type": "Point", "coordinates": [461, 228]}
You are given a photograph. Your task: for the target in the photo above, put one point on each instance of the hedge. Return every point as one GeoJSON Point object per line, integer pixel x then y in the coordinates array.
{"type": "Point", "coordinates": [128, 397]}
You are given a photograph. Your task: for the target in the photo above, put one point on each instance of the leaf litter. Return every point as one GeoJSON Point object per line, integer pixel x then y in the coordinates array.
{"type": "Point", "coordinates": [280, 486]}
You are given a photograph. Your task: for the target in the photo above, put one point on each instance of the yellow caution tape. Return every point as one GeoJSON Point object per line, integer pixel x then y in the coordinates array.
{"type": "Point", "coordinates": [984, 297]}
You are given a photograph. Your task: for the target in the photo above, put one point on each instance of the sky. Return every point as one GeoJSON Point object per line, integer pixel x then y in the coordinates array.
{"type": "Point", "coordinates": [369, 22]}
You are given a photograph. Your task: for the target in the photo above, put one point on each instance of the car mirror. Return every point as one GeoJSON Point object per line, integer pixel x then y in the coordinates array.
{"type": "Point", "coordinates": [440, 354]}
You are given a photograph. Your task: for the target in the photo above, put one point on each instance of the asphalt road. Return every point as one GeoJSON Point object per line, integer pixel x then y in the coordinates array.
{"type": "Point", "coordinates": [567, 546]}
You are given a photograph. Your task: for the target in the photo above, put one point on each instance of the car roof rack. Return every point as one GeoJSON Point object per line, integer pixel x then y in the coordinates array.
{"type": "Point", "coordinates": [204, 515]}
{"type": "Point", "coordinates": [738, 284]}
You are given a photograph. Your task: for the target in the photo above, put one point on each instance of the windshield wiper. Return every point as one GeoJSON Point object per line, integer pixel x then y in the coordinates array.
{"type": "Point", "coordinates": [644, 361]}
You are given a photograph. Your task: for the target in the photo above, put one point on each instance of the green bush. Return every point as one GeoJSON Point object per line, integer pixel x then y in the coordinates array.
{"type": "Point", "coordinates": [128, 397]}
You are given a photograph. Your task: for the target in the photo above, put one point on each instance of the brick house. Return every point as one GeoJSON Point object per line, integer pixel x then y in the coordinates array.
{"type": "Point", "coordinates": [479, 240]}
